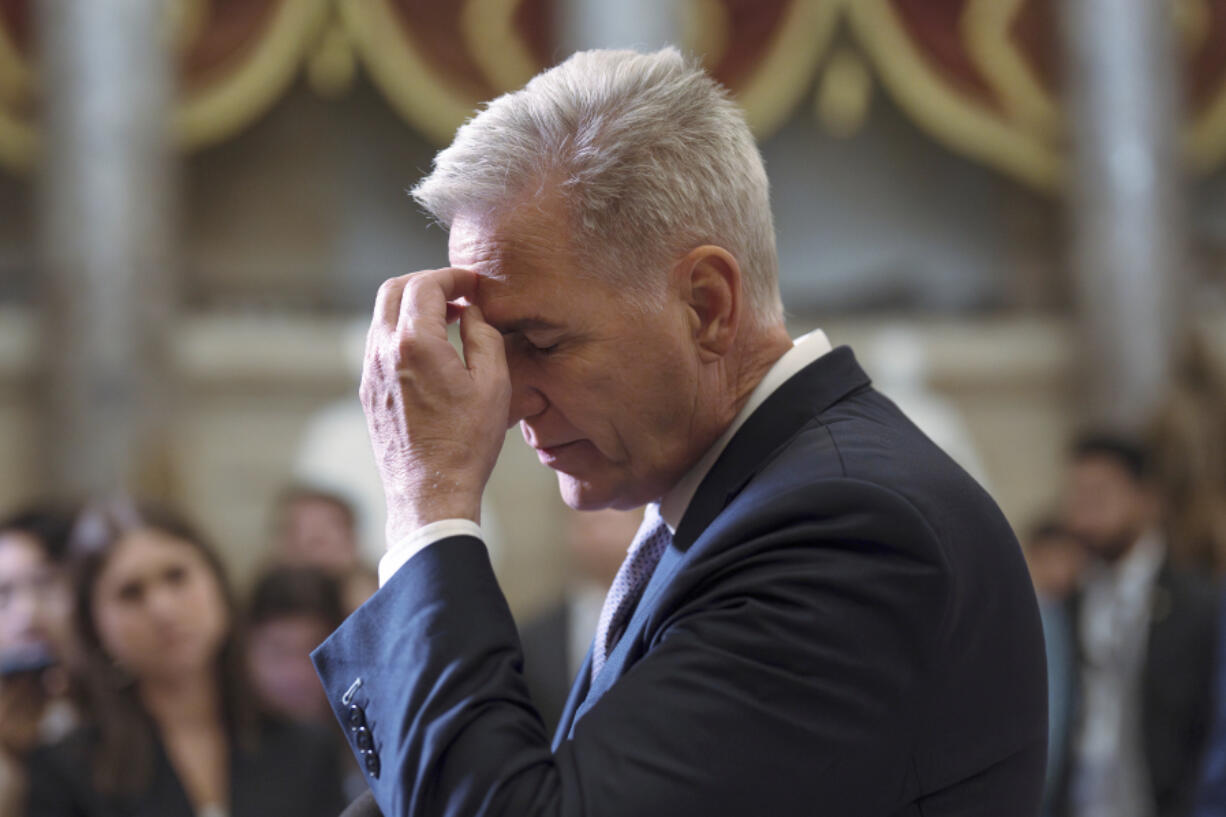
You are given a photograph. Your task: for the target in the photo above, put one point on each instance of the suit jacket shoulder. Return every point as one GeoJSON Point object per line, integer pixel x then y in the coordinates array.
{"type": "Point", "coordinates": [829, 477]}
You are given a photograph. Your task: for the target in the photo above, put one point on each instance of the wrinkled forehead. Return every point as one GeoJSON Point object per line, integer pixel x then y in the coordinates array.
{"type": "Point", "coordinates": [523, 262]}
{"type": "Point", "coordinates": [524, 239]}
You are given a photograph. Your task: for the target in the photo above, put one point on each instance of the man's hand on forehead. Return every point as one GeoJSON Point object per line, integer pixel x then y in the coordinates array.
{"type": "Point", "coordinates": [436, 420]}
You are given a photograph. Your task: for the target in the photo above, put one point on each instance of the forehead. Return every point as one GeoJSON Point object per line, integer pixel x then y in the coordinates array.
{"type": "Point", "coordinates": [20, 551]}
{"type": "Point", "coordinates": [1103, 468]}
{"type": "Point", "coordinates": [526, 239]}
{"type": "Point", "coordinates": [525, 275]}
{"type": "Point", "coordinates": [315, 507]}
{"type": "Point", "coordinates": [145, 550]}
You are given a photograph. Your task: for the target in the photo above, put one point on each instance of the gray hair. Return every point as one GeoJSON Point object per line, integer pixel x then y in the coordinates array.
{"type": "Point", "coordinates": [651, 155]}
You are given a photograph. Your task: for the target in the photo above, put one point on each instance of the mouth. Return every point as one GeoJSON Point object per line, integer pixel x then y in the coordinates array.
{"type": "Point", "coordinates": [176, 638]}
{"type": "Point", "coordinates": [553, 455]}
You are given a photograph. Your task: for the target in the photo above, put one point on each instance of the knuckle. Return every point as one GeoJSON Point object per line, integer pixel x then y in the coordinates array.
{"type": "Point", "coordinates": [415, 281]}
{"type": "Point", "coordinates": [387, 288]}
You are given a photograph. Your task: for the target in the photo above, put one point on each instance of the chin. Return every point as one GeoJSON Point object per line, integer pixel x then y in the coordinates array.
{"type": "Point", "coordinates": [581, 495]}
{"type": "Point", "coordinates": [578, 495]}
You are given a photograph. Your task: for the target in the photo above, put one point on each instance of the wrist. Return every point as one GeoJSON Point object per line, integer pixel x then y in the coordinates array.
{"type": "Point", "coordinates": [408, 514]}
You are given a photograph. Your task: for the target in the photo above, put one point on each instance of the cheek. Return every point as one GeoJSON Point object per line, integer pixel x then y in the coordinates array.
{"type": "Point", "coordinates": [213, 616]}
{"type": "Point", "coordinates": [122, 631]}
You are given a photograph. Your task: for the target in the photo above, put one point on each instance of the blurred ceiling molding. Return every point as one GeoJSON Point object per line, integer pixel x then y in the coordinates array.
{"type": "Point", "coordinates": [979, 76]}
{"type": "Point", "coordinates": [234, 60]}
{"type": "Point", "coordinates": [925, 62]}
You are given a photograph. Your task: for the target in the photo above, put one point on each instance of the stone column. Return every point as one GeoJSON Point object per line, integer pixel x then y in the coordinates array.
{"type": "Point", "coordinates": [636, 24]}
{"type": "Point", "coordinates": [106, 226]}
{"type": "Point", "coordinates": [1125, 201]}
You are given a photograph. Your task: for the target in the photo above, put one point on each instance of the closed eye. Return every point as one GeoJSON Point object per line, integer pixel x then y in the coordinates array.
{"type": "Point", "coordinates": [529, 347]}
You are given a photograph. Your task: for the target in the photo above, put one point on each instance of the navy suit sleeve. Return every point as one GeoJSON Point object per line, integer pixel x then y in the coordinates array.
{"type": "Point", "coordinates": [778, 683]}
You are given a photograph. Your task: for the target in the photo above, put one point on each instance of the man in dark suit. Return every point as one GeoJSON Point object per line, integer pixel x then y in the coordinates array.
{"type": "Point", "coordinates": [821, 614]}
{"type": "Point", "coordinates": [1145, 633]}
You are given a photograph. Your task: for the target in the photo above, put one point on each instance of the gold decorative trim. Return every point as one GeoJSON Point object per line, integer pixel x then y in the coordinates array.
{"type": "Point", "coordinates": [961, 125]}
{"type": "Point", "coordinates": [985, 30]}
{"type": "Point", "coordinates": [783, 78]}
{"type": "Point", "coordinates": [489, 30]}
{"type": "Point", "coordinates": [18, 140]}
{"type": "Point", "coordinates": [844, 93]}
{"type": "Point", "coordinates": [18, 143]}
{"type": "Point", "coordinates": [1204, 140]}
{"type": "Point", "coordinates": [332, 66]}
{"type": "Point", "coordinates": [183, 20]}
{"type": "Point", "coordinates": [1204, 137]}
{"type": "Point", "coordinates": [415, 90]}
{"type": "Point", "coordinates": [16, 77]}
{"type": "Point", "coordinates": [222, 109]}
{"type": "Point", "coordinates": [1191, 20]}
{"type": "Point", "coordinates": [705, 30]}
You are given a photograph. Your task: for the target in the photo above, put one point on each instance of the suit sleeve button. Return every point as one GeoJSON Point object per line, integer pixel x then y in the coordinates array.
{"type": "Point", "coordinates": [356, 717]}
{"type": "Point", "coordinates": [371, 761]}
{"type": "Point", "coordinates": [362, 738]}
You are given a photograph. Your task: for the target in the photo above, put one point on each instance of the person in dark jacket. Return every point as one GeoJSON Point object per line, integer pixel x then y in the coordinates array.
{"type": "Point", "coordinates": [173, 730]}
{"type": "Point", "coordinates": [1145, 632]}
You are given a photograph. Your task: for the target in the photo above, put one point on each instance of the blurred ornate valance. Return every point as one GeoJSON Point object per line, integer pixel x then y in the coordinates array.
{"type": "Point", "coordinates": [979, 75]}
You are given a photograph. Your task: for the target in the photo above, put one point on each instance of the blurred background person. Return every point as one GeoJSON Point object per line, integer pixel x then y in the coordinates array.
{"type": "Point", "coordinates": [292, 610]}
{"type": "Point", "coordinates": [174, 727]}
{"type": "Point", "coordinates": [556, 642]}
{"type": "Point", "coordinates": [1145, 633]}
{"type": "Point", "coordinates": [1056, 558]}
{"type": "Point", "coordinates": [318, 528]}
{"type": "Point", "coordinates": [34, 609]}
{"type": "Point", "coordinates": [1211, 798]}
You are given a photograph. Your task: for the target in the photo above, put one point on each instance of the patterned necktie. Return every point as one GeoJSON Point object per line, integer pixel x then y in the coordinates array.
{"type": "Point", "coordinates": [649, 544]}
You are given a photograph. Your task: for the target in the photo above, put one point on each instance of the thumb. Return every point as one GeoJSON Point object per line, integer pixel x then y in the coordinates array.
{"type": "Point", "coordinates": [484, 351]}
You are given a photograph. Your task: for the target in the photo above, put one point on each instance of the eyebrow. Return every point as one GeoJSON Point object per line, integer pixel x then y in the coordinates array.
{"type": "Point", "coordinates": [525, 324]}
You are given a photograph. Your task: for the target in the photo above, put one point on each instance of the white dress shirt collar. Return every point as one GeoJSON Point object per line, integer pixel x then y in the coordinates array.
{"type": "Point", "coordinates": [804, 351]}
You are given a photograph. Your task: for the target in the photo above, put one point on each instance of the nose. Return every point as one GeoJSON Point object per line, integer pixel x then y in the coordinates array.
{"type": "Point", "coordinates": [526, 402]}
{"type": "Point", "coordinates": [163, 603]}
{"type": "Point", "coordinates": [527, 399]}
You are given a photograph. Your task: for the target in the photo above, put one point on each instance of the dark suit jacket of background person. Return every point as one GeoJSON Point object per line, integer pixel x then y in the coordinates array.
{"type": "Point", "coordinates": [1211, 798]}
{"type": "Point", "coordinates": [547, 661]}
{"type": "Point", "coordinates": [843, 625]}
{"type": "Point", "coordinates": [1176, 690]}
{"type": "Point", "coordinates": [291, 771]}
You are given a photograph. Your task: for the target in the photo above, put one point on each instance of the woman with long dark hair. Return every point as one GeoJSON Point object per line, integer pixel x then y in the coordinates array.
{"type": "Point", "coordinates": [174, 729]}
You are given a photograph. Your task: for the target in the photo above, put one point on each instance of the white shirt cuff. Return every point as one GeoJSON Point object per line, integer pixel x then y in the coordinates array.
{"type": "Point", "coordinates": [419, 540]}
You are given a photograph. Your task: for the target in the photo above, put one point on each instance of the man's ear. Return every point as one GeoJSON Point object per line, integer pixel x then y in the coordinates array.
{"type": "Point", "coordinates": [710, 284]}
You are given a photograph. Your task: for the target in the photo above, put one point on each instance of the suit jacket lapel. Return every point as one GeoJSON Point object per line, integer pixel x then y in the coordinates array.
{"type": "Point", "coordinates": [578, 691]}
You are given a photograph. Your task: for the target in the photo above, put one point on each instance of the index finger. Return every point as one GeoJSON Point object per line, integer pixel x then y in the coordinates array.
{"type": "Point", "coordinates": [427, 294]}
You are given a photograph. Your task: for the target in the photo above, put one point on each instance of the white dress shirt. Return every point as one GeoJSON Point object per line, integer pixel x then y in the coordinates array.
{"type": "Point", "coordinates": [673, 504]}
{"type": "Point", "coordinates": [1110, 775]}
